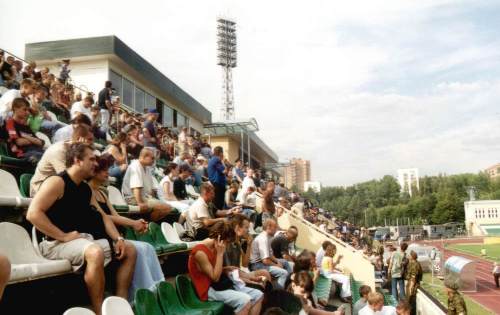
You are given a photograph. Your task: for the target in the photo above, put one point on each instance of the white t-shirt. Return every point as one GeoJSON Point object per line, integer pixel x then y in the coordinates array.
{"type": "Point", "coordinates": [195, 214]}
{"type": "Point", "coordinates": [319, 257]}
{"type": "Point", "coordinates": [386, 310]}
{"type": "Point", "coordinates": [261, 248]}
{"type": "Point", "coordinates": [161, 192]}
{"type": "Point", "coordinates": [63, 134]}
{"type": "Point", "coordinates": [78, 107]}
{"type": "Point", "coordinates": [247, 182]}
{"type": "Point", "coordinates": [6, 101]}
{"type": "Point", "coordinates": [137, 176]}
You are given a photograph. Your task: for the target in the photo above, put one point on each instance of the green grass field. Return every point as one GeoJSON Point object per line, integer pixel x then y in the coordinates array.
{"type": "Point", "coordinates": [492, 250]}
{"type": "Point", "coordinates": [436, 290]}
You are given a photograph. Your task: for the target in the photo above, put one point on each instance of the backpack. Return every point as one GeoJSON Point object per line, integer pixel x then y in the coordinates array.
{"type": "Point", "coordinates": [404, 266]}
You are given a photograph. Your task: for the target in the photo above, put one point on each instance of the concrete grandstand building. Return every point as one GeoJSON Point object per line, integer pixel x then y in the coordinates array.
{"type": "Point", "coordinates": [140, 85]}
{"type": "Point", "coordinates": [482, 217]}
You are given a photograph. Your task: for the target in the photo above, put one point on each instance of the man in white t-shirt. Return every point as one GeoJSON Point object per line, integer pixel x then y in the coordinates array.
{"type": "Point", "coordinates": [82, 107]}
{"type": "Point", "coordinates": [137, 187]}
{"type": "Point", "coordinates": [198, 217]}
{"type": "Point", "coordinates": [262, 256]}
{"type": "Point", "coordinates": [66, 133]}
{"type": "Point", "coordinates": [27, 89]}
{"type": "Point", "coordinates": [376, 306]}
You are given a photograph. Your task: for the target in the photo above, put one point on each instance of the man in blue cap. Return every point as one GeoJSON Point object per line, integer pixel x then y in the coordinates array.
{"type": "Point", "coordinates": [149, 130]}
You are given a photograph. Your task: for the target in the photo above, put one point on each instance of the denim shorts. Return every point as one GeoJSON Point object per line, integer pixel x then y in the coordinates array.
{"type": "Point", "coordinates": [235, 299]}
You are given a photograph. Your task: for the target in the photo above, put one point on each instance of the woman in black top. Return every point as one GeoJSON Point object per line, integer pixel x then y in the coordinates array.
{"type": "Point", "coordinates": [147, 267]}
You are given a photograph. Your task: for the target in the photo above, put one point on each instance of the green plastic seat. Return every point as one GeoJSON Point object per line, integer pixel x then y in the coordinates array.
{"type": "Point", "coordinates": [7, 160]}
{"type": "Point", "coordinates": [170, 304]}
{"type": "Point", "coordinates": [188, 297]}
{"type": "Point", "coordinates": [148, 238]}
{"type": "Point", "coordinates": [323, 287]}
{"type": "Point", "coordinates": [129, 234]}
{"type": "Point", "coordinates": [24, 183]}
{"type": "Point", "coordinates": [160, 239]}
{"type": "Point", "coordinates": [146, 303]}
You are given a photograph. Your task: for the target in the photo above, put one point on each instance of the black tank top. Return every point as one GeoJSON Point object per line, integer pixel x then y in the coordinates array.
{"type": "Point", "coordinates": [73, 212]}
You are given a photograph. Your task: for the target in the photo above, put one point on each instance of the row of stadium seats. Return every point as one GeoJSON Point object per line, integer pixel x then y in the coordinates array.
{"type": "Point", "coordinates": [169, 300]}
{"type": "Point", "coordinates": [112, 305]}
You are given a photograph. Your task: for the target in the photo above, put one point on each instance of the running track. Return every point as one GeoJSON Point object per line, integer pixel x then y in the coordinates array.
{"type": "Point", "coordinates": [487, 294]}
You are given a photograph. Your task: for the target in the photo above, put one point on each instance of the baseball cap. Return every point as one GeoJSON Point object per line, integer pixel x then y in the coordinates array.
{"type": "Point", "coordinates": [153, 111]}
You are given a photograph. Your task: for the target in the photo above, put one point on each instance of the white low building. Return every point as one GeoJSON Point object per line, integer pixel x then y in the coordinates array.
{"type": "Point", "coordinates": [482, 217]}
{"type": "Point", "coordinates": [315, 186]}
{"type": "Point", "coordinates": [139, 84]}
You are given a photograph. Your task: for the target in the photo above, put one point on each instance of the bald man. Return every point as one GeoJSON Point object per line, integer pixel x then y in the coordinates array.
{"type": "Point", "coordinates": [138, 189]}
{"type": "Point", "coordinates": [262, 256]}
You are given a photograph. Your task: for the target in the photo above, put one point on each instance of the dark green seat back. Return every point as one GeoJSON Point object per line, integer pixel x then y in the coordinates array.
{"type": "Point", "coordinates": [188, 297]}
{"type": "Point", "coordinates": [146, 303]}
{"type": "Point", "coordinates": [24, 183]}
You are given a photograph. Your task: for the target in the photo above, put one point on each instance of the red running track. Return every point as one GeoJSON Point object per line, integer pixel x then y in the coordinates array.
{"type": "Point", "coordinates": [487, 293]}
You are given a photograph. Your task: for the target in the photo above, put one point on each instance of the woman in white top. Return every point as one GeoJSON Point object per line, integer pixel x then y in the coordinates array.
{"type": "Point", "coordinates": [166, 187]}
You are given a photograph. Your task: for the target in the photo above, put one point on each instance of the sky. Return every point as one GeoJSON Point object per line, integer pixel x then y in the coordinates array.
{"type": "Point", "coordinates": [359, 88]}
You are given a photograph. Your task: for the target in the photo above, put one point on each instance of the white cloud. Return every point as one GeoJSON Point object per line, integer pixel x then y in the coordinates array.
{"type": "Point", "coordinates": [361, 87]}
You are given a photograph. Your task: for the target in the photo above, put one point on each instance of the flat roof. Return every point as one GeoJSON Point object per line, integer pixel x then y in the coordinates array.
{"type": "Point", "coordinates": [112, 45]}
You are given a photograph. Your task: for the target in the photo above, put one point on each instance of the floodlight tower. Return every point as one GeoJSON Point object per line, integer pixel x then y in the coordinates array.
{"type": "Point", "coordinates": [226, 58]}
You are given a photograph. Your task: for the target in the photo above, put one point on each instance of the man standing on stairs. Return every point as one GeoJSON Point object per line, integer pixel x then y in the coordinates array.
{"type": "Point", "coordinates": [78, 232]}
{"type": "Point", "coordinates": [217, 176]}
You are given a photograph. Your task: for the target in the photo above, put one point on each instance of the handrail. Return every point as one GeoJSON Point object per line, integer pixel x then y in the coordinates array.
{"type": "Point", "coordinates": [18, 202]}
{"type": "Point", "coordinates": [290, 212]}
{"type": "Point", "coordinates": [28, 62]}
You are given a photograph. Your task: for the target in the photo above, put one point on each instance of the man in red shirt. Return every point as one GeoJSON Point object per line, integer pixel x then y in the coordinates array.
{"type": "Point", "coordinates": [22, 141]}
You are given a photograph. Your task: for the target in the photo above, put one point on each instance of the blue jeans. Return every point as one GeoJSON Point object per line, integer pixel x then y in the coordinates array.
{"type": "Point", "coordinates": [49, 127]}
{"type": "Point", "coordinates": [147, 271]}
{"type": "Point", "coordinates": [394, 283]}
{"type": "Point", "coordinates": [281, 274]}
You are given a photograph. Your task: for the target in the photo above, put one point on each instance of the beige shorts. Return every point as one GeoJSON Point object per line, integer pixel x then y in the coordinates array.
{"type": "Point", "coordinates": [74, 250]}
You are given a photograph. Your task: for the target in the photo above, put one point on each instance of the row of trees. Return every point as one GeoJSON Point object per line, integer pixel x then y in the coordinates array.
{"type": "Point", "coordinates": [440, 199]}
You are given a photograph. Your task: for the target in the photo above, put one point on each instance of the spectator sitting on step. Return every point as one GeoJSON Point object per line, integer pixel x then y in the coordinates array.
{"type": "Point", "coordinates": [39, 119]}
{"type": "Point", "coordinates": [262, 256]}
{"type": "Point", "coordinates": [238, 253]}
{"type": "Point", "coordinates": [137, 187]}
{"type": "Point", "coordinates": [26, 91]}
{"type": "Point", "coordinates": [23, 143]}
{"type": "Point", "coordinates": [329, 270]}
{"type": "Point", "coordinates": [205, 269]}
{"type": "Point", "coordinates": [166, 186]}
{"type": "Point", "coordinates": [199, 218]}
{"type": "Point", "coordinates": [185, 173]}
{"type": "Point", "coordinates": [376, 306]}
{"type": "Point", "coordinates": [302, 286]}
{"type": "Point", "coordinates": [364, 290]}
{"type": "Point", "coordinates": [4, 273]}
{"type": "Point", "coordinates": [65, 133]}
{"type": "Point", "coordinates": [148, 270]}
{"type": "Point", "coordinates": [280, 244]}
{"type": "Point", "coordinates": [82, 235]}
{"type": "Point", "coordinates": [118, 150]}
{"type": "Point", "coordinates": [53, 160]}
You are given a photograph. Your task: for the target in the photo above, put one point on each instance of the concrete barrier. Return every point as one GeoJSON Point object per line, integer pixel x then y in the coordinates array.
{"type": "Point", "coordinates": [491, 240]}
{"type": "Point", "coordinates": [428, 305]}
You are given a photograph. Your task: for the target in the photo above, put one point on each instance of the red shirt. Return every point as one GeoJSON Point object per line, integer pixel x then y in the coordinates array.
{"type": "Point", "coordinates": [200, 280]}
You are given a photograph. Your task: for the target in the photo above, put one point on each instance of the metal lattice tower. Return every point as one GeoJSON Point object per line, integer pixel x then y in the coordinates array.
{"type": "Point", "coordinates": [226, 58]}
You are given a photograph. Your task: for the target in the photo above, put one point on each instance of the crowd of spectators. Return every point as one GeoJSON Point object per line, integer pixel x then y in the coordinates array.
{"type": "Point", "coordinates": [95, 140]}
{"type": "Point", "coordinates": [78, 143]}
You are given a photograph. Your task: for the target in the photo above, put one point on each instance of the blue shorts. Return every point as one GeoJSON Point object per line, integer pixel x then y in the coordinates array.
{"type": "Point", "coordinates": [236, 299]}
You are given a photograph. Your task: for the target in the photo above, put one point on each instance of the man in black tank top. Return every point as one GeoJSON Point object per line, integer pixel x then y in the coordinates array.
{"type": "Point", "coordinates": [78, 232]}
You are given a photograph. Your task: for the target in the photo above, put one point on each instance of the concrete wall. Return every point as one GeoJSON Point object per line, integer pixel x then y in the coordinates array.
{"type": "Point", "coordinates": [89, 74]}
{"type": "Point", "coordinates": [428, 306]}
{"type": "Point", "coordinates": [311, 238]}
{"type": "Point", "coordinates": [231, 147]}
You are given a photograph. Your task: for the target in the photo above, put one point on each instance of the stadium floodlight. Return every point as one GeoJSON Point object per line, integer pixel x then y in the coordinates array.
{"type": "Point", "coordinates": [226, 58]}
